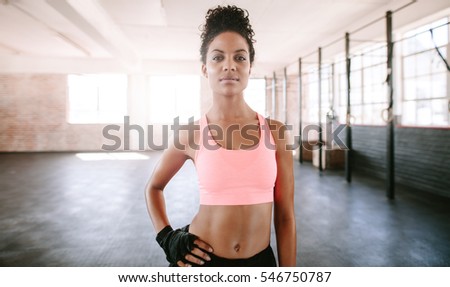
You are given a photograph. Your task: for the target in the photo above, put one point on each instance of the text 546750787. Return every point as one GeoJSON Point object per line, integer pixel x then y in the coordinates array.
{"type": "Point", "coordinates": [294, 277]}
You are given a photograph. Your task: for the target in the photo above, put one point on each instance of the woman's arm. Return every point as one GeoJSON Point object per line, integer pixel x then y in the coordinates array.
{"type": "Point", "coordinates": [284, 216]}
{"type": "Point", "coordinates": [171, 161]}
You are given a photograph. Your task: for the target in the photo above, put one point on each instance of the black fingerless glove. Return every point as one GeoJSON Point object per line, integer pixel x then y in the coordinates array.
{"type": "Point", "coordinates": [175, 243]}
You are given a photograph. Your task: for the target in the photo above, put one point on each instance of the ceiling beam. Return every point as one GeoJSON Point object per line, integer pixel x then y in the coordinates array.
{"type": "Point", "coordinates": [9, 49]}
{"type": "Point", "coordinates": [38, 18]}
{"type": "Point", "coordinates": [94, 21]}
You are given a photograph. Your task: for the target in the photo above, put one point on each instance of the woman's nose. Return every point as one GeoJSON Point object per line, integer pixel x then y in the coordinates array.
{"type": "Point", "coordinates": [229, 65]}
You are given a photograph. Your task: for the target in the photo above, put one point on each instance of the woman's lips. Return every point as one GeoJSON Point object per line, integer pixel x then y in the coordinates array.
{"type": "Point", "coordinates": [229, 79]}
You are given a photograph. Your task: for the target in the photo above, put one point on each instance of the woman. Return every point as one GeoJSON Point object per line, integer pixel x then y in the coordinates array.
{"type": "Point", "coordinates": [243, 164]}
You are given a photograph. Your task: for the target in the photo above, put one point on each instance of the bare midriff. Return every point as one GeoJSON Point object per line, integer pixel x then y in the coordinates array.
{"type": "Point", "coordinates": [234, 231]}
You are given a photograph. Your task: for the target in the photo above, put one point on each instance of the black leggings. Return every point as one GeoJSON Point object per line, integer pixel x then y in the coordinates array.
{"type": "Point", "coordinates": [265, 258]}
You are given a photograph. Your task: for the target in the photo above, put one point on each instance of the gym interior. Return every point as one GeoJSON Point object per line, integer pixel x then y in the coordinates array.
{"type": "Point", "coordinates": [90, 92]}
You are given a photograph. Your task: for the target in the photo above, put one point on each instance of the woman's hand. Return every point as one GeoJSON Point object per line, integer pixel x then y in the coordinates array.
{"type": "Point", "coordinates": [182, 247]}
{"type": "Point", "coordinates": [197, 255]}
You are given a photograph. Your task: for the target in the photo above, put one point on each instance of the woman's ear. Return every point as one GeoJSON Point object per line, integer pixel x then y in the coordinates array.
{"type": "Point", "coordinates": [204, 71]}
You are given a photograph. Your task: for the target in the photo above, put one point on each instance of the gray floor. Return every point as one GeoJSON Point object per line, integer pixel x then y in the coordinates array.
{"type": "Point", "coordinates": [58, 210]}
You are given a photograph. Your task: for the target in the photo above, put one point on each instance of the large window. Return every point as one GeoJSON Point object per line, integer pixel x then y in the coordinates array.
{"type": "Point", "coordinates": [174, 96]}
{"type": "Point", "coordinates": [368, 90]}
{"type": "Point", "coordinates": [311, 93]}
{"type": "Point", "coordinates": [425, 96]}
{"type": "Point", "coordinates": [255, 95]}
{"type": "Point", "coordinates": [374, 86]}
{"type": "Point", "coordinates": [341, 74]}
{"type": "Point", "coordinates": [326, 91]}
{"type": "Point", "coordinates": [424, 81]}
{"type": "Point", "coordinates": [97, 98]}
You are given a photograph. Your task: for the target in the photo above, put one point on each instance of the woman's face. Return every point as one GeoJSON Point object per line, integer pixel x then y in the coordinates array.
{"type": "Point", "coordinates": [227, 64]}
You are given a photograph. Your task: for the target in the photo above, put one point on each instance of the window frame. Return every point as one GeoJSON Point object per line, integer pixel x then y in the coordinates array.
{"type": "Point", "coordinates": [411, 34]}
{"type": "Point", "coordinates": [98, 116]}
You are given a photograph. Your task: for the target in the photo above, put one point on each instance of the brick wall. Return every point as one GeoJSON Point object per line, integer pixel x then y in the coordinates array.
{"type": "Point", "coordinates": [33, 116]}
{"type": "Point", "coordinates": [422, 156]}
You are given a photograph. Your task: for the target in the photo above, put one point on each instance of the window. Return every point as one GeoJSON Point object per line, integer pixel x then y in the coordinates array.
{"type": "Point", "coordinates": [97, 98]}
{"type": "Point", "coordinates": [341, 74]}
{"type": "Point", "coordinates": [255, 95]}
{"type": "Point", "coordinates": [374, 86]}
{"type": "Point", "coordinates": [368, 95]}
{"type": "Point", "coordinates": [311, 93]}
{"type": "Point", "coordinates": [326, 91]}
{"type": "Point", "coordinates": [174, 96]}
{"type": "Point", "coordinates": [425, 97]}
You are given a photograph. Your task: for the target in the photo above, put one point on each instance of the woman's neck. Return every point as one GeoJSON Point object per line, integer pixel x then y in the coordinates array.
{"type": "Point", "coordinates": [229, 109]}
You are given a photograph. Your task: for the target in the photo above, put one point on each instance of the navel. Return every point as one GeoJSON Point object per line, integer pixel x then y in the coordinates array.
{"type": "Point", "coordinates": [237, 247]}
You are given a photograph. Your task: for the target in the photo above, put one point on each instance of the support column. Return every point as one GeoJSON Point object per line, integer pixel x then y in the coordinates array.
{"type": "Point", "coordinates": [300, 86]}
{"type": "Point", "coordinates": [348, 129]}
{"type": "Point", "coordinates": [274, 93]}
{"type": "Point", "coordinates": [265, 96]}
{"type": "Point", "coordinates": [390, 167]}
{"type": "Point", "coordinates": [320, 110]}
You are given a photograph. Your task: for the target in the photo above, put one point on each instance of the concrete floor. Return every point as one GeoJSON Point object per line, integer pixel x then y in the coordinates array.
{"type": "Point", "coordinates": [58, 210]}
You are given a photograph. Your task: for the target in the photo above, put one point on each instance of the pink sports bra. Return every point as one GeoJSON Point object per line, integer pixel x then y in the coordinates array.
{"type": "Point", "coordinates": [236, 177]}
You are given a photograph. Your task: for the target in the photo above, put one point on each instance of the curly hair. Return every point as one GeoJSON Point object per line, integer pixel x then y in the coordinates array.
{"type": "Point", "coordinates": [224, 19]}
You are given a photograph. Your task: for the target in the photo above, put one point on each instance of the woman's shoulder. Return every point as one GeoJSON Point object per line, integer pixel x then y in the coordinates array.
{"type": "Point", "coordinates": [280, 132]}
{"type": "Point", "coordinates": [276, 126]}
{"type": "Point", "coordinates": [274, 123]}
{"type": "Point", "coordinates": [186, 137]}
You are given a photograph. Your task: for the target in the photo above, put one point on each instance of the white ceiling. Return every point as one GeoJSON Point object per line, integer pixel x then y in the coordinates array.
{"type": "Point", "coordinates": [135, 31]}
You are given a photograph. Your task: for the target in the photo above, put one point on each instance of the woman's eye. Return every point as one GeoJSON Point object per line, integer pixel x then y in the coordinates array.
{"type": "Point", "coordinates": [217, 58]}
{"type": "Point", "coordinates": [241, 58]}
